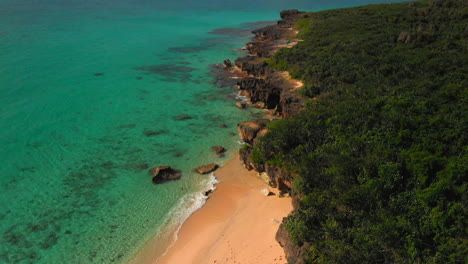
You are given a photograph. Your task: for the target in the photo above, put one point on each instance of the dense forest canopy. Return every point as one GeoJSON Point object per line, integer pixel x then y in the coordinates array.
{"type": "Point", "coordinates": [380, 150]}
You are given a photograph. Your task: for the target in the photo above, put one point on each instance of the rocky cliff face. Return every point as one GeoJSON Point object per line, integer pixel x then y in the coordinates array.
{"type": "Point", "coordinates": [294, 254]}
{"type": "Point", "coordinates": [269, 89]}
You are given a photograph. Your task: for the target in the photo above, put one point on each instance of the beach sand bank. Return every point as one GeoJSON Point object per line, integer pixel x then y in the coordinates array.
{"type": "Point", "coordinates": [236, 225]}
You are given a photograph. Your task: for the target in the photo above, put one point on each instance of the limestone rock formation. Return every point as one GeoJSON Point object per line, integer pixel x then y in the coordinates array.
{"type": "Point", "coordinates": [248, 130]}
{"type": "Point", "coordinates": [294, 253]}
{"type": "Point", "coordinates": [205, 169]}
{"type": "Point", "coordinates": [164, 173]}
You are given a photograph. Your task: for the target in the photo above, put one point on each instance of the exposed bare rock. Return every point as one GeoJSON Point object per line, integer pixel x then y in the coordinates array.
{"type": "Point", "coordinates": [260, 105]}
{"type": "Point", "coordinates": [164, 173]}
{"type": "Point", "coordinates": [276, 91]}
{"type": "Point", "coordinates": [246, 158]}
{"type": "Point", "coordinates": [266, 192]}
{"type": "Point", "coordinates": [270, 89]}
{"type": "Point", "coordinates": [260, 90]}
{"type": "Point", "coordinates": [205, 169]}
{"type": "Point", "coordinates": [245, 155]}
{"type": "Point", "coordinates": [294, 253]}
{"type": "Point", "coordinates": [261, 133]}
{"type": "Point", "coordinates": [272, 92]}
{"type": "Point", "coordinates": [240, 105]}
{"type": "Point", "coordinates": [263, 176]}
{"type": "Point", "coordinates": [281, 178]}
{"type": "Point", "coordinates": [248, 130]}
{"type": "Point", "coordinates": [227, 64]}
{"type": "Point", "coordinates": [252, 65]}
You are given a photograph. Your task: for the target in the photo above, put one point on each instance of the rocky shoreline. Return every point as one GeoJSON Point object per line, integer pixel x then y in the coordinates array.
{"type": "Point", "coordinates": [265, 88]}
{"type": "Point", "coordinates": [275, 91]}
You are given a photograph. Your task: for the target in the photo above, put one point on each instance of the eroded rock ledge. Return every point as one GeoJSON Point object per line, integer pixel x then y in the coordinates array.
{"type": "Point", "coordinates": [269, 89]}
{"type": "Point", "coordinates": [265, 87]}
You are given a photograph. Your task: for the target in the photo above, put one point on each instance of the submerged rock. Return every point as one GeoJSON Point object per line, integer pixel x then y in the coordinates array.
{"type": "Point", "coordinates": [219, 150]}
{"type": "Point", "coordinates": [164, 173]}
{"type": "Point", "coordinates": [150, 133]}
{"type": "Point", "coordinates": [186, 49]}
{"type": "Point", "coordinates": [182, 117]}
{"type": "Point", "coordinates": [205, 169]}
{"type": "Point", "coordinates": [227, 63]}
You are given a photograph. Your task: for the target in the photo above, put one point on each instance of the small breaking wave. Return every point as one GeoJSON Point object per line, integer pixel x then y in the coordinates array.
{"type": "Point", "coordinates": [189, 204]}
{"type": "Point", "coordinates": [241, 98]}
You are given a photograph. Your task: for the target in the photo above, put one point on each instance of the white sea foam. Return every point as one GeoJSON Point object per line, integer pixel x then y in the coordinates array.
{"type": "Point", "coordinates": [241, 98]}
{"type": "Point", "coordinates": [188, 205]}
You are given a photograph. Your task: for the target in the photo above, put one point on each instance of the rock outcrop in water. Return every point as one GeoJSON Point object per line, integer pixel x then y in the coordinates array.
{"type": "Point", "coordinates": [164, 173]}
{"type": "Point", "coordinates": [227, 63]}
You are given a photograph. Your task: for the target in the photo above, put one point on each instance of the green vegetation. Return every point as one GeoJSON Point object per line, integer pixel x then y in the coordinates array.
{"type": "Point", "coordinates": [381, 150]}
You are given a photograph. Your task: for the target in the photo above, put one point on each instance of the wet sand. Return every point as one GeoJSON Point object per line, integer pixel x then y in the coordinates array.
{"type": "Point", "coordinates": [236, 225]}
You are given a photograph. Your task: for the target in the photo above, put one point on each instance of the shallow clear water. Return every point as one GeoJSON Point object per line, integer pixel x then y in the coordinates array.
{"type": "Point", "coordinates": [88, 95]}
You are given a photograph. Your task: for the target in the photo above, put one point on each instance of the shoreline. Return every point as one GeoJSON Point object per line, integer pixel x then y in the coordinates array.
{"type": "Point", "coordinates": [237, 224]}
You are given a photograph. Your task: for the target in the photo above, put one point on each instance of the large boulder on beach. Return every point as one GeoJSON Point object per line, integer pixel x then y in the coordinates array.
{"type": "Point", "coordinates": [164, 173]}
{"type": "Point", "coordinates": [219, 150]}
{"type": "Point", "coordinates": [266, 192]}
{"type": "Point", "coordinates": [205, 169]}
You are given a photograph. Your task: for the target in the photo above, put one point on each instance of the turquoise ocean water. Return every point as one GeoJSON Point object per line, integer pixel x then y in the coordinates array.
{"type": "Point", "coordinates": [88, 95]}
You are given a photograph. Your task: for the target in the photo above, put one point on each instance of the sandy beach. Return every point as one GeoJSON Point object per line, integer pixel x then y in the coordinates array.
{"type": "Point", "coordinates": [236, 225]}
